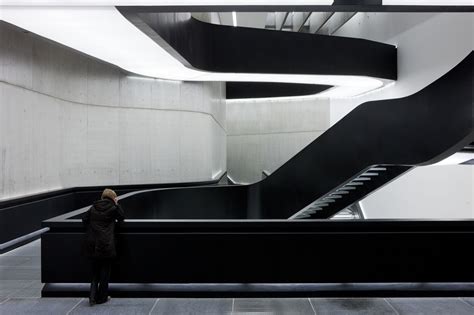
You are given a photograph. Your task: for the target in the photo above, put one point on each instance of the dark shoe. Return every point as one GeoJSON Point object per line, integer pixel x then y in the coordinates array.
{"type": "Point", "coordinates": [102, 301]}
{"type": "Point", "coordinates": [92, 302]}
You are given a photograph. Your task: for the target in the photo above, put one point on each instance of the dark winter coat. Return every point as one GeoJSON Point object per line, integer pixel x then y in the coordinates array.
{"type": "Point", "coordinates": [100, 222]}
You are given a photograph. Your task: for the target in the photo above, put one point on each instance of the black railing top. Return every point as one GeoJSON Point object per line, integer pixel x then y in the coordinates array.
{"type": "Point", "coordinates": [279, 226]}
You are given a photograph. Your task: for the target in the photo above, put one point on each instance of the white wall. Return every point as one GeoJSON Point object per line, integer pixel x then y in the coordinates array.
{"type": "Point", "coordinates": [434, 192]}
{"type": "Point", "coordinates": [69, 120]}
{"type": "Point", "coordinates": [429, 45]}
{"type": "Point", "coordinates": [264, 134]}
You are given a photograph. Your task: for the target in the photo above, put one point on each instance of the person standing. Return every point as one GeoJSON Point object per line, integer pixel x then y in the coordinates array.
{"type": "Point", "coordinates": [99, 242]}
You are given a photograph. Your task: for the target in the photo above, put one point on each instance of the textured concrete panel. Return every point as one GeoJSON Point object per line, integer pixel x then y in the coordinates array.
{"type": "Point", "coordinates": [73, 126]}
{"type": "Point", "coordinates": [193, 91]}
{"type": "Point", "coordinates": [70, 120]}
{"type": "Point", "coordinates": [264, 134]}
{"type": "Point", "coordinates": [59, 72]}
{"type": "Point", "coordinates": [16, 57]}
{"type": "Point", "coordinates": [249, 155]}
{"type": "Point", "coordinates": [195, 148]}
{"type": "Point", "coordinates": [3, 142]}
{"type": "Point", "coordinates": [103, 84]}
{"type": "Point", "coordinates": [166, 94]}
{"type": "Point", "coordinates": [103, 150]}
{"type": "Point", "coordinates": [30, 145]}
{"type": "Point", "coordinates": [135, 92]}
{"type": "Point", "coordinates": [255, 117]}
{"type": "Point", "coordinates": [165, 166]}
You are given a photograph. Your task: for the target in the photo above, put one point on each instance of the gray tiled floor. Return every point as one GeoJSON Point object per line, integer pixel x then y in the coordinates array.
{"type": "Point", "coordinates": [273, 306]}
{"type": "Point", "coordinates": [20, 290]}
{"type": "Point", "coordinates": [37, 306]}
{"type": "Point", "coordinates": [12, 261]}
{"type": "Point", "coordinates": [352, 306]}
{"type": "Point", "coordinates": [441, 306]}
{"type": "Point", "coordinates": [193, 306]}
{"type": "Point", "coordinates": [469, 301]}
{"type": "Point", "coordinates": [117, 307]}
{"type": "Point", "coordinates": [20, 272]}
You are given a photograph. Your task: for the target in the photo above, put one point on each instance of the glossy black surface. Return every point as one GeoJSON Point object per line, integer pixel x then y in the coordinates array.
{"type": "Point", "coordinates": [223, 202]}
{"type": "Point", "coordinates": [271, 252]}
{"type": "Point", "coordinates": [235, 90]}
{"type": "Point", "coordinates": [219, 48]}
{"type": "Point", "coordinates": [217, 290]}
{"type": "Point", "coordinates": [24, 215]}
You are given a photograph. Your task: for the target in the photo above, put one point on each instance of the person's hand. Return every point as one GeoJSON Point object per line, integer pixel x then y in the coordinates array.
{"type": "Point", "coordinates": [116, 200]}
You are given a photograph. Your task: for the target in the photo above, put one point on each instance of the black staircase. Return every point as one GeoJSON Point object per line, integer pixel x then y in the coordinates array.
{"type": "Point", "coordinates": [352, 191]}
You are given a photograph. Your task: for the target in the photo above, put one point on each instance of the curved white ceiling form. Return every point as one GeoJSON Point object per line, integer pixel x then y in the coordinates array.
{"type": "Point", "coordinates": [173, 3]}
{"type": "Point", "coordinates": [102, 32]}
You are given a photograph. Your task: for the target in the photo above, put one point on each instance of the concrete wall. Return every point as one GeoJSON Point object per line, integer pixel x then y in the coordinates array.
{"type": "Point", "coordinates": [70, 120]}
{"type": "Point", "coordinates": [429, 45]}
{"type": "Point", "coordinates": [264, 134]}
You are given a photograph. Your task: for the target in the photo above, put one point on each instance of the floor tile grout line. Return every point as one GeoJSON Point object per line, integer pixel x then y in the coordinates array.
{"type": "Point", "coordinates": [4, 301]}
{"type": "Point", "coordinates": [311, 303]}
{"type": "Point", "coordinates": [75, 305]}
{"type": "Point", "coordinates": [391, 306]}
{"type": "Point", "coordinates": [462, 300]}
{"type": "Point", "coordinates": [15, 291]}
{"type": "Point", "coordinates": [153, 307]}
{"type": "Point", "coordinates": [25, 298]}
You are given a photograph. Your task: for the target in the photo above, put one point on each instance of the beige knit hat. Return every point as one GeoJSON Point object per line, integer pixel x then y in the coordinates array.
{"type": "Point", "coordinates": [109, 193]}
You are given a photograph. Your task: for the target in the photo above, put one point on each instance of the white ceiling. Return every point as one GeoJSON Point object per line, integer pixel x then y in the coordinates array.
{"type": "Point", "coordinates": [245, 19]}
{"type": "Point", "coordinates": [104, 33]}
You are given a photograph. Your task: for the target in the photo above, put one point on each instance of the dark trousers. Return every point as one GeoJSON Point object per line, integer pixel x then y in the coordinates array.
{"type": "Point", "coordinates": [100, 279]}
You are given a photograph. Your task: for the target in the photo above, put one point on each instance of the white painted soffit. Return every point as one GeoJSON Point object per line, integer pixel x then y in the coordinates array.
{"type": "Point", "coordinates": [174, 3]}
{"type": "Point", "coordinates": [102, 32]}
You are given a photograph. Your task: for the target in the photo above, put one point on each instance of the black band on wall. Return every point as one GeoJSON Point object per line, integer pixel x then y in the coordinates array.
{"type": "Point", "coordinates": [238, 90]}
